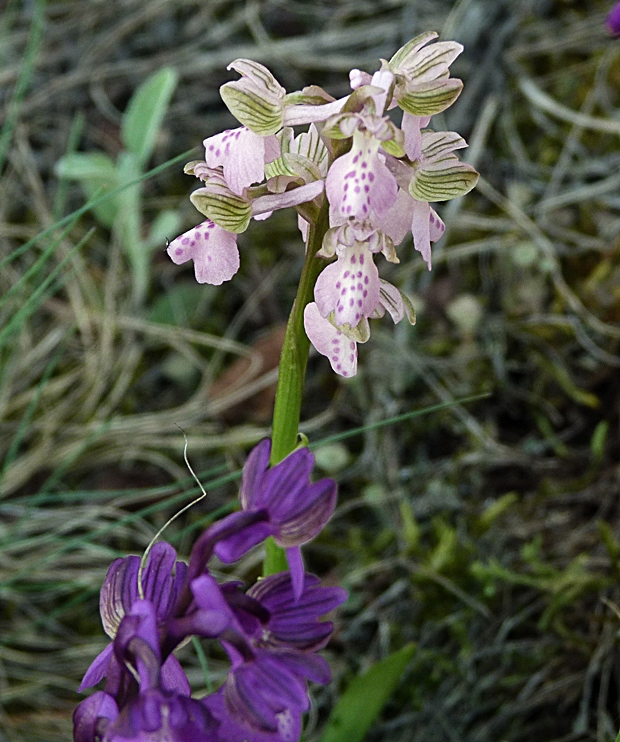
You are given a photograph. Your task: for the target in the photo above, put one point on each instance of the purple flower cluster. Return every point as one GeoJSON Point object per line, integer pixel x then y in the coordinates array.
{"type": "Point", "coordinates": [271, 632]}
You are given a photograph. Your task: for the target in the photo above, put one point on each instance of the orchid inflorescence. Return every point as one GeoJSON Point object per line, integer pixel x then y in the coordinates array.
{"type": "Point", "coordinates": [379, 181]}
{"type": "Point", "coordinates": [359, 182]}
{"type": "Point", "coordinates": [270, 632]}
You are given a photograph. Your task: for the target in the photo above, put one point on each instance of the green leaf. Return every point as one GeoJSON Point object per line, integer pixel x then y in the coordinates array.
{"type": "Point", "coordinates": [145, 112]}
{"type": "Point", "coordinates": [364, 699]}
{"type": "Point", "coordinates": [97, 175]}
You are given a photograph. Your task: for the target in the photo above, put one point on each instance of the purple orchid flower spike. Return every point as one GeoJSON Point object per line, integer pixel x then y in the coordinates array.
{"type": "Point", "coordinates": [613, 20]}
{"type": "Point", "coordinates": [292, 509]}
{"type": "Point", "coordinates": [162, 581]}
{"type": "Point", "coordinates": [293, 620]}
{"type": "Point", "coordinates": [93, 716]}
{"type": "Point", "coordinates": [158, 716]}
{"type": "Point", "coordinates": [150, 710]}
{"type": "Point", "coordinates": [271, 652]}
{"type": "Point", "coordinates": [232, 730]}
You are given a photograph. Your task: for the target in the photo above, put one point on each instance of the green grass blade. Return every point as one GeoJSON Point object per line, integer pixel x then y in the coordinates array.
{"type": "Point", "coordinates": [396, 419]}
{"type": "Point", "coordinates": [27, 417]}
{"type": "Point", "coordinates": [42, 292]}
{"type": "Point", "coordinates": [364, 699]}
{"type": "Point", "coordinates": [23, 81]}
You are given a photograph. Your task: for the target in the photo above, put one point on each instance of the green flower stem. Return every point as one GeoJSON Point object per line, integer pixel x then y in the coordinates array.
{"type": "Point", "coordinates": [292, 371]}
{"type": "Point", "coordinates": [295, 349]}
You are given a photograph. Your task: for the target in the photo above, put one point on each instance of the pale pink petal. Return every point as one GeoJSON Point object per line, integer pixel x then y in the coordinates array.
{"type": "Point", "coordinates": [301, 114]}
{"type": "Point", "coordinates": [420, 229]}
{"type": "Point", "coordinates": [330, 342]}
{"type": "Point", "coordinates": [437, 227]}
{"type": "Point", "coordinates": [359, 182]}
{"type": "Point", "coordinates": [295, 196]}
{"type": "Point", "coordinates": [349, 287]}
{"type": "Point", "coordinates": [242, 154]}
{"type": "Point", "coordinates": [272, 148]}
{"type": "Point", "coordinates": [357, 78]}
{"type": "Point", "coordinates": [382, 79]}
{"type": "Point", "coordinates": [412, 127]}
{"type": "Point", "coordinates": [396, 222]}
{"type": "Point", "coordinates": [213, 250]}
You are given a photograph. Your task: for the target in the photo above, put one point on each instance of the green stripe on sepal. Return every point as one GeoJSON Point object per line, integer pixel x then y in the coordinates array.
{"type": "Point", "coordinates": [430, 98]}
{"type": "Point", "coordinates": [223, 207]}
{"type": "Point", "coordinates": [442, 182]}
{"type": "Point", "coordinates": [402, 56]}
{"type": "Point", "coordinates": [251, 109]}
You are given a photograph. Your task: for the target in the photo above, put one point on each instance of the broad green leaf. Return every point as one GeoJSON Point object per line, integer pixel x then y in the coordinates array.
{"type": "Point", "coordinates": [145, 112]}
{"type": "Point", "coordinates": [97, 175]}
{"type": "Point", "coordinates": [364, 699]}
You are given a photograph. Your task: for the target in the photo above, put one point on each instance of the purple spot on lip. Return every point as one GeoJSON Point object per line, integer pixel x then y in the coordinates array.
{"type": "Point", "coordinates": [359, 302]}
{"type": "Point", "coordinates": [351, 302]}
{"type": "Point", "coordinates": [361, 260]}
{"type": "Point", "coordinates": [347, 274]}
{"type": "Point", "coordinates": [366, 189]}
{"type": "Point", "coordinates": [185, 241]}
{"type": "Point", "coordinates": [217, 152]}
{"type": "Point", "coordinates": [179, 251]}
{"type": "Point", "coordinates": [338, 285]}
{"type": "Point", "coordinates": [366, 279]}
{"type": "Point", "coordinates": [353, 258]}
{"type": "Point", "coordinates": [365, 294]}
{"type": "Point", "coordinates": [357, 189]}
{"type": "Point", "coordinates": [352, 346]}
{"type": "Point", "coordinates": [364, 164]}
{"type": "Point", "coordinates": [371, 177]}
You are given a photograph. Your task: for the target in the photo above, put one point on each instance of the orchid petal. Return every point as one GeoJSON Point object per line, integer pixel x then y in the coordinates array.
{"type": "Point", "coordinates": [242, 154]}
{"type": "Point", "coordinates": [349, 287]}
{"type": "Point", "coordinates": [330, 342]}
{"type": "Point", "coordinates": [296, 567]}
{"type": "Point", "coordinates": [420, 229]}
{"type": "Point", "coordinates": [359, 181]}
{"type": "Point", "coordinates": [213, 250]}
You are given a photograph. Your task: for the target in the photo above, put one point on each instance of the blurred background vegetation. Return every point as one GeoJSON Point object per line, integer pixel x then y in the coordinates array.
{"type": "Point", "coordinates": [487, 533]}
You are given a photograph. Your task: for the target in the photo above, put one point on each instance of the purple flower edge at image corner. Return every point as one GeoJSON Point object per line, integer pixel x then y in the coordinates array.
{"type": "Point", "coordinates": [613, 20]}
